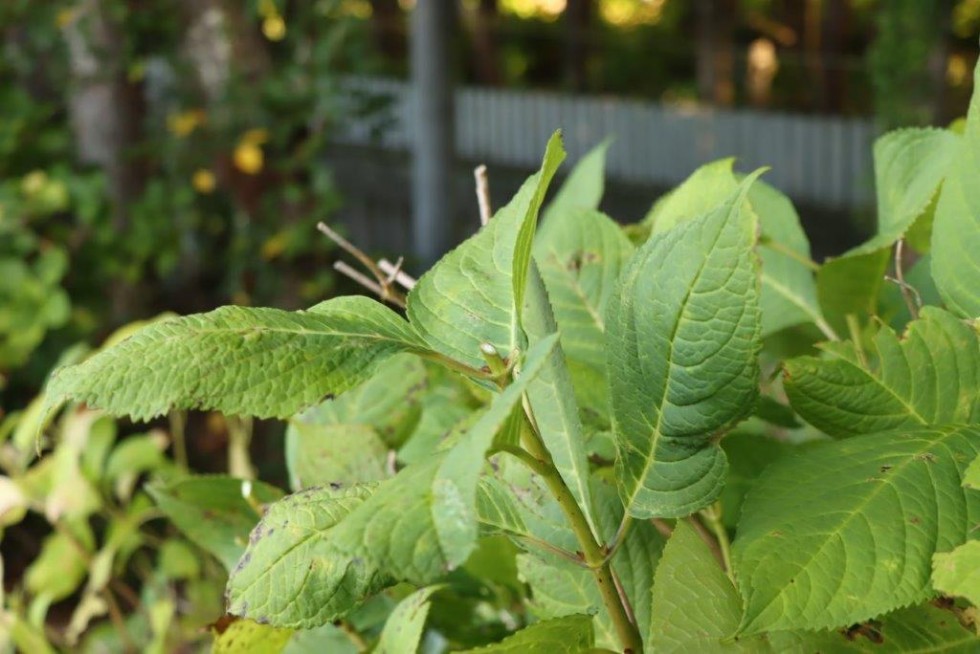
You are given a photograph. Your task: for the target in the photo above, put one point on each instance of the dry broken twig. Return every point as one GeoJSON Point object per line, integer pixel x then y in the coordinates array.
{"type": "Point", "coordinates": [482, 193]}
{"type": "Point", "coordinates": [385, 274]}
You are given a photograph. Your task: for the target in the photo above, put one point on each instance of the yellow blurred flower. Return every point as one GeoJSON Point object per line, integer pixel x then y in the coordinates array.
{"type": "Point", "coordinates": [274, 28]}
{"type": "Point", "coordinates": [65, 17]}
{"type": "Point", "coordinates": [203, 181]}
{"type": "Point", "coordinates": [182, 124]}
{"type": "Point", "coordinates": [248, 158]}
{"type": "Point", "coordinates": [275, 245]}
{"type": "Point", "coordinates": [34, 182]}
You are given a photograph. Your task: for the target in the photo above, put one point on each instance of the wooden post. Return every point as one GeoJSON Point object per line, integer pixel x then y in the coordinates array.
{"type": "Point", "coordinates": [433, 130]}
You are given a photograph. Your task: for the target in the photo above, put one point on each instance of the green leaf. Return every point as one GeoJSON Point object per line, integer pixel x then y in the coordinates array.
{"type": "Point", "coordinates": [554, 154]}
{"type": "Point", "coordinates": [423, 523]}
{"type": "Point", "coordinates": [931, 376]}
{"type": "Point", "coordinates": [958, 572]}
{"type": "Point", "coordinates": [789, 291]}
{"type": "Point", "coordinates": [914, 629]}
{"type": "Point", "coordinates": [849, 285]}
{"type": "Point", "coordinates": [972, 477]}
{"type": "Point", "coordinates": [552, 400]}
{"type": "Point", "coordinates": [789, 295]}
{"type": "Point", "coordinates": [709, 186]}
{"type": "Point", "coordinates": [694, 605]}
{"type": "Point", "coordinates": [845, 531]}
{"type": "Point", "coordinates": [580, 255]}
{"type": "Point", "coordinates": [291, 574]}
{"type": "Point", "coordinates": [569, 635]}
{"type": "Point", "coordinates": [388, 402]}
{"type": "Point", "coordinates": [259, 362]}
{"type": "Point", "coordinates": [748, 455]}
{"type": "Point", "coordinates": [474, 295]}
{"type": "Point", "coordinates": [956, 227]}
{"type": "Point", "coordinates": [327, 548]}
{"type": "Point", "coordinates": [682, 341]}
{"type": "Point", "coordinates": [582, 189]}
{"type": "Point", "coordinates": [405, 624]}
{"type": "Point", "coordinates": [247, 637]}
{"type": "Point", "coordinates": [560, 588]}
{"type": "Point", "coordinates": [910, 165]}
{"type": "Point", "coordinates": [212, 512]}
{"type": "Point", "coordinates": [343, 454]}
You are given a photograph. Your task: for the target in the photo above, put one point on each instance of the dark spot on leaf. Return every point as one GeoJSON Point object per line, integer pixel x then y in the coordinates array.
{"type": "Point", "coordinates": [915, 520]}
{"type": "Point", "coordinates": [328, 396]}
{"type": "Point", "coordinates": [928, 457]}
{"type": "Point", "coordinates": [885, 468]}
{"type": "Point", "coordinates": [336, 485]}
{"type": "Point", "coordinates": [244, 561]}
{"type": "Point", "coordinates": [870, 630]}
{"type": "Point", "coordinates": [221, 625]}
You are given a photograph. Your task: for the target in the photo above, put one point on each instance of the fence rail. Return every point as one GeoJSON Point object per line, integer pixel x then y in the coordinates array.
{"type": "Point", "coordinates": [823, 160]}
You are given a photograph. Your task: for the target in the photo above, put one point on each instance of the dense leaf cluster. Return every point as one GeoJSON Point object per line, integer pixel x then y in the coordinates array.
{"type": "Point", "coordinates": [599, 411]}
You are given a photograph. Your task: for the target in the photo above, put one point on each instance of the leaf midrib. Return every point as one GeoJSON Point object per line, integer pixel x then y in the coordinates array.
{"type": "Point", "coordinates": [912, 411]}
{"type": "Point", "coordinates": [656, 431]}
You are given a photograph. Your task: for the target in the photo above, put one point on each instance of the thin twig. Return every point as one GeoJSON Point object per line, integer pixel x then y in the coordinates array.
{"type": "Point", "coordinates": [661, 525]}
{"type": "Point", "coordinates": [382, 285]}
{"type": "Point", "coordinates": [907, 290]}
{"type": "Point", "coordinates": [482, 193]}
{"type": "Point", "coordinates": [353, 250]}
{"type": "Point", "coordinates": [116, 617]}
{"type": "Point", "coordinates": [623, 597]}
{"type": "Point", "coordinates": [343, 268]}
{"type": "Point", "coordinates": [394, 271]}
{"type": "Point", "coordinates": [707, 538]}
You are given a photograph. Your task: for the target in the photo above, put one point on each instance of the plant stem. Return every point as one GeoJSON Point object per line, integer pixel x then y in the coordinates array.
{"type": "Point", "coordinates": [239, 440]}
{"type": "Point", "coordinates": [592, 551]}
{"type": "Point", "coordinates": [353, 635]}
{"type": "Point", "coordinates": [712, 516]}
{"type": "Point", "coordinates": [178, 423]}
{"type": "Point", "coordinates": [792, 254]}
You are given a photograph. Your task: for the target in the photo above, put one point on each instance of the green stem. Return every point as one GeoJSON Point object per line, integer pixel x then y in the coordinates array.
{"type": "Point", "coordinates": [353, 635]}
{"type": "Point", "coordinates": [178, 423]}
{"type": "Point", "coordinates": [239, 440]}
{"type": "Point", "coordinates": [712, 517]}
{"type": "Point", "coordinates": [792, 254]}
{"type": "Point", "coordinates": [592, 552]}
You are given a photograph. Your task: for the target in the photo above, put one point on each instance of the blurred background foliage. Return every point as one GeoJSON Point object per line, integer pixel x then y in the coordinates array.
{"type": "Point", "coordinates": [169, 155]}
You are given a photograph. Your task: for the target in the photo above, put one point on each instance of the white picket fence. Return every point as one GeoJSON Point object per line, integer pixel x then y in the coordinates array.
{"type": "Point", "coordinates": [824, 160]}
